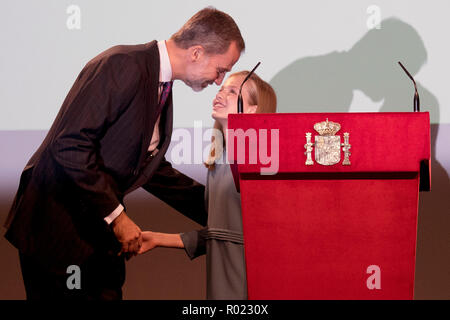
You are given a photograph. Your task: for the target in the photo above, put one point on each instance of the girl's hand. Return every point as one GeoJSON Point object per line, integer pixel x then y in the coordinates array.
{"type": "Point", "coordinates": [149, 241]}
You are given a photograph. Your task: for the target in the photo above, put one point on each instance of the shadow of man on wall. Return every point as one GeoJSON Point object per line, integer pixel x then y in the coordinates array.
{"type": "Point", "coordinates": [328, 83]}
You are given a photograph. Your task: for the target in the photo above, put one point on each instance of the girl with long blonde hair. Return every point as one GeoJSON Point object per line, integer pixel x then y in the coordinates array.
{"type": "Point", "coordinates": [222, 239]}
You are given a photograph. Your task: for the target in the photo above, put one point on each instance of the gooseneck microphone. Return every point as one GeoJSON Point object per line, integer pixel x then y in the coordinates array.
{"type": "Point", "coordinates": [416, 94]}
{"type": "Point", "coordinates": [240, 103]}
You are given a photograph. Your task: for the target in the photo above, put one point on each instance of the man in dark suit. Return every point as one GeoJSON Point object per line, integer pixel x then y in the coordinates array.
{"type": "Point", "coordinates": [108, 139]}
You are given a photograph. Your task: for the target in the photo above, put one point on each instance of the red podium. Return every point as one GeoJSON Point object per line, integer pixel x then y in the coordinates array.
{"type": "Point", "coordinates": [332, 215]}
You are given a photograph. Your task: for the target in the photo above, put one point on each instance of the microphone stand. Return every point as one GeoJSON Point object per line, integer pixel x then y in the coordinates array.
{"type": "Point", "coordinates": [416, 94]}
{"type": "Point", "coordinates": [240, 102]}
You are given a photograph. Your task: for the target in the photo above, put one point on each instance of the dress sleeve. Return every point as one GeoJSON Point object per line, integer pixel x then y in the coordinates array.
{"type": "Point", "coordinates": [194, 243]}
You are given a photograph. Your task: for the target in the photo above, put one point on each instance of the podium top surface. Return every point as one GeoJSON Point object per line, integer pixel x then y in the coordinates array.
{"type": "Point", "coordinates": [379, 142]}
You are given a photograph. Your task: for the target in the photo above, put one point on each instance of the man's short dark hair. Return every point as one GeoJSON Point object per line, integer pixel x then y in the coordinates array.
{"type": "Point", "coordinates": [214, 30]}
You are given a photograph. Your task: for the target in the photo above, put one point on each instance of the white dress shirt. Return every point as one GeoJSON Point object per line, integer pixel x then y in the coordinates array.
{"type": "Point", "coordinates": [165, 75]}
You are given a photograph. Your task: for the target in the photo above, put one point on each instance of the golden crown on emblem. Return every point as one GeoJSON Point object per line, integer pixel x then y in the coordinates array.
{"type": "Point", "coordinates": [327, 128]}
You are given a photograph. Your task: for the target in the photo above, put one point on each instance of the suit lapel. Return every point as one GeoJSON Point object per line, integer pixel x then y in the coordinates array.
{"type": "Point", "coordinates": [142, 174]}
{"type": "Point", "coordinates": [151, 99]}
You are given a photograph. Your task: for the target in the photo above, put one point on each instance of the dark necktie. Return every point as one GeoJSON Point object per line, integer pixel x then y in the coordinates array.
{"type": "Point", "coordinates": [165, 91]}
{"type": "Point", "coordinates": [167, 87]}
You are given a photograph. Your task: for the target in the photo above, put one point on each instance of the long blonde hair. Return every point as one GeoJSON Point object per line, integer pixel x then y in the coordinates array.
{"type": "Point", "coordinates": [261, 94]}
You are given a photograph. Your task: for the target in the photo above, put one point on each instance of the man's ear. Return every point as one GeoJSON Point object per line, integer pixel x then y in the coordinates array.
{"type": "Point", "coordinates": [196, 53]}
{"type": "Point", "coordinates": [252, 109]}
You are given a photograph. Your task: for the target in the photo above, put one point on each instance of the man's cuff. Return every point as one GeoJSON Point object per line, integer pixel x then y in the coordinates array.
{"type": "Point", "coordinates": [114, 214]}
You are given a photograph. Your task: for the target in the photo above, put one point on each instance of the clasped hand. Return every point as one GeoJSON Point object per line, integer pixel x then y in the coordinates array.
{"type": "Point", "coordinates": [128, 234]}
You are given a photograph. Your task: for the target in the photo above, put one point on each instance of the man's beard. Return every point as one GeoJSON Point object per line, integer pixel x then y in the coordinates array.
{"type": "Point", "coordinates": [198, 85]}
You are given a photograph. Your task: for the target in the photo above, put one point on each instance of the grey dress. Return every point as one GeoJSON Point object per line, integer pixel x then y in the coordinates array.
{"type": "Point", "coordinates": [222, 239]}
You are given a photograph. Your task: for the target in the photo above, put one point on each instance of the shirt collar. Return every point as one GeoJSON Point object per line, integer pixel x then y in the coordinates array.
{"type": "Point", "coordinates": [165, 69]}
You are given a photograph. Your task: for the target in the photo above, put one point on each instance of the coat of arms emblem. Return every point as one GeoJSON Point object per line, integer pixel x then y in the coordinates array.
{"type": "Point", "coordinates": [327, 145]}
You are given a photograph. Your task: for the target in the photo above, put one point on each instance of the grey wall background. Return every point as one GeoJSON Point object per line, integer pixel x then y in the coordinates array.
{"type": "Point", "coordinates": [319, 55]}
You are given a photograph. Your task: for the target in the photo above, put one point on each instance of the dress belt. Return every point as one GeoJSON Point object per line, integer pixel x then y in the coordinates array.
{"type": "Point", "coordinates": [223, 234]}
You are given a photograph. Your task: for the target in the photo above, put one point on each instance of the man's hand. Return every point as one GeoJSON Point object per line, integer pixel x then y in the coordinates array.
{"type": "Point", "coordinates": [128, 234]}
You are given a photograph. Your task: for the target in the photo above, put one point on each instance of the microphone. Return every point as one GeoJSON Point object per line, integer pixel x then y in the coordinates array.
{"type": "Point", "coordinates": [416, 94]}
{"type": "Point", "coordinates": [240, 103]}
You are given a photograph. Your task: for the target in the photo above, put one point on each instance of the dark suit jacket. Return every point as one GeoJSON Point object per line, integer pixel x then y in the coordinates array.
{"type": "Point", "coordinates": [94, 154]}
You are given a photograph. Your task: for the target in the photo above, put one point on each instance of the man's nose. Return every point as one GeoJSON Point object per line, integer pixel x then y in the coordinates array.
{"type": "Point", "coordinates": [219, 79]}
